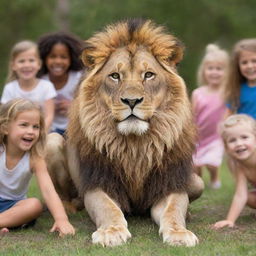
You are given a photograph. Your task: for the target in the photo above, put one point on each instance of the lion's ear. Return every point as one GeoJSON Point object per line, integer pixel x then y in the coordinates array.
{"type": "Point", "coordinates": [94, 57]}
{"type": "Point", "coordinates": [176, 54]}
{"type": "Point", "coordinates": [88, 58]}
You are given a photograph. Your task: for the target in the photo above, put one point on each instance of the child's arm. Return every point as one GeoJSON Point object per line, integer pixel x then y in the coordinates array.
{"type": "Point", "coordinates": [52, 199]}
{"type": "Point", "coordinates": [238, 202]}
{"type": "Point", "coordinates": [193, 101]}
{"type": "Point", "coordinates": [49, 113]}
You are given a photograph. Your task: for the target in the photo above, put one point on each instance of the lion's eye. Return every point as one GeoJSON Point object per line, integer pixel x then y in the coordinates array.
{"type": "Point", "coordinates": [115, 76]}
{"type": "Point", "coordinates": [149, 75]}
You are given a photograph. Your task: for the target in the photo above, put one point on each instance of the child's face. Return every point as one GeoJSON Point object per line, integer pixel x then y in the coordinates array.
{"type": "Point", "coordinates": [23, 132]}
{"type": "Point", "coordinates": [247, 66]}
{"type": "Point", "coordinates": [58, 60]}
{"type": "Point", "coordinates": [26, 64]}
{"type": "Point", "coordinates": [240, 141]}
{"type": "Point", "coordinates": [214, 73]}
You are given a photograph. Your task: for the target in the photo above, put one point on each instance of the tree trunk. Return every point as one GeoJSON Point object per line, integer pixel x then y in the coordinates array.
{"type": "Point", "coordinates": [62, 14]}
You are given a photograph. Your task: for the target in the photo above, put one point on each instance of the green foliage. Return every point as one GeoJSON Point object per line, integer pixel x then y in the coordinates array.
{"type": "Point", "coordinates": [22, 19]}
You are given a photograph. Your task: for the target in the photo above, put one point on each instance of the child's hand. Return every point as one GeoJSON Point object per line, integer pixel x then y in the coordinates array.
{"type": "Point", "coordinates": [62, 106]}
{"type": "Point", "coordinates": [63, 227]}
{"type": "Point", "coordinates": [223, 223]}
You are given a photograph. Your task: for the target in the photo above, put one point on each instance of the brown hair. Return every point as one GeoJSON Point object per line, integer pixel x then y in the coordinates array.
{"type": "Point", "coordinates": [10, 111]}
{"type": "Point", "coordinates": [232, 90]}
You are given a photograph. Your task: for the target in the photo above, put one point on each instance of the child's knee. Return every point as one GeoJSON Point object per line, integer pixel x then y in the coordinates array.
{"type": "Point", "coordinates": [36, 205]}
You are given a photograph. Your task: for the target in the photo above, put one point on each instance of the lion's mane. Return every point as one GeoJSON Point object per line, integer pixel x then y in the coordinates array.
{"type": "Point", "coordinates": [136, 171]}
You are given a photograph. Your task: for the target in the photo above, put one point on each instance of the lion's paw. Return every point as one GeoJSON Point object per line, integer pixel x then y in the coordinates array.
{"type": "Point", "coordinates": [180, 237]}
{"type": "Point", "coordinates": [111, 236]}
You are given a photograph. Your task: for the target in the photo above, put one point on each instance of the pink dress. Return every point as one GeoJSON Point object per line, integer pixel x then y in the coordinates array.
{"type": "Point", "coordinates": [208, 111]}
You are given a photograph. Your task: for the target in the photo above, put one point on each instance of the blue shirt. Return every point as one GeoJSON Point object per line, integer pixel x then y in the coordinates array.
{"type": "Point", "coordinates": [247, 100]}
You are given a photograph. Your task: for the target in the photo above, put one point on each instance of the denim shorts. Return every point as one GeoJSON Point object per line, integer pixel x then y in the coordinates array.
{"type": "Point", "coordinates": [6, 204]}
{"type": "Point", "coordinates": [60, 131]}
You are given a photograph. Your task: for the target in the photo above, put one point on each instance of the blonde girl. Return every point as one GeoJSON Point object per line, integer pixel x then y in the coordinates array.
{"type": "Point", "coordinates": [239, 135]}
{"type": "Point", "coordinates": [240, 89]}
{"type": "Point", "coordinates": [22, 142]}
{"type": "Point", "coordinates": [22, 81]}
{"type": "Point", "coordinates": [209, 108]}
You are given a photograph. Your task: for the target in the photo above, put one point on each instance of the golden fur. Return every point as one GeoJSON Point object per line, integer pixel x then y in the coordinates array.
{"type": "Point", "coordinates": [136, 154]}
{"type": "Point", "coordinates": [131, 135]}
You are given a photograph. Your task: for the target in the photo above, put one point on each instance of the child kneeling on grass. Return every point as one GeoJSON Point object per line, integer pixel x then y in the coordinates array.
{"type": "Point", "coordinates": [239, 135]}
{"type": "Point", "coordinates": [22, 142]}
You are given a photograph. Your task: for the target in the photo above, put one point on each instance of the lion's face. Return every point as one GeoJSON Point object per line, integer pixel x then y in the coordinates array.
{"type": "Point", "coordinates": [132, 91]}
{"type": "Point", "coordinates": [133, 88]}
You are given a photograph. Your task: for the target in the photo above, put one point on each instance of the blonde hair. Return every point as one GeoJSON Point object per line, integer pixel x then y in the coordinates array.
{"type": "Point", "coordinates": [10, 111]}
{"type": "Point", "coordinates": [235, 78]}
{"type": "Point", "coordinates": [213, 53]}
{"type": "Point", "coordinates": [16, 50]}
{"type": "Point", "coordinates": [234, 120]}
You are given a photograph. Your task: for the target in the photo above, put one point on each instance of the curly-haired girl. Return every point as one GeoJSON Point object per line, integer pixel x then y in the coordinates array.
{"type": "Point", "coordinates": [60, 53]}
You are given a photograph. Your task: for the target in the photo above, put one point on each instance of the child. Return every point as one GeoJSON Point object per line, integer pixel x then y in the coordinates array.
{"type": "Point", "coordinates": [22, 141]}
{"type": "Point", "coordinates": [241, 86]}
{"type": "Point", "coordinates": [208, 108]}
{"type": "Point", "coordinates": [60, 53]}
{"type": "Point", "coordinates": [24, 65]}
{"type": "Point", "coordinates": [239, 135]}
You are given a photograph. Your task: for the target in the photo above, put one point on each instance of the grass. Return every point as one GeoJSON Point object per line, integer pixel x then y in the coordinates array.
{"type": "Point", "coordinates": [212, 206]}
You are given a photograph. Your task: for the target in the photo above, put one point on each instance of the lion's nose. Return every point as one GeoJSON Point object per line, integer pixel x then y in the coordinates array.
{"type": "Point", "coordinates": [132, 102]}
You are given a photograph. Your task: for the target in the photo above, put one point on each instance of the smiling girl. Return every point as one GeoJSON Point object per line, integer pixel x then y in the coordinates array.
{"type": "Point", "coordinates": [22, 79]}
{"type": "Point", "coordinates": [22, 141]}
{"type": "Point", "coordinates": [241, 86]}
{"type": "Point", "coordinates": [209, 108]}
{"type": "Point", "coordinates": [239, 135]}
{"type": "Point", "coordinates": [60, 53]}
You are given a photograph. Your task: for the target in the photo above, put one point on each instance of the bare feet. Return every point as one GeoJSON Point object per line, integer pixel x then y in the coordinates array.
{"type": "Point", "coordinates": [3, 231]}
{"type": "Point", "coordinates": [215, 184]}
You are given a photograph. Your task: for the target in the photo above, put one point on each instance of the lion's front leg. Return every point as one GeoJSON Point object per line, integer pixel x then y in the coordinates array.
{"type": "Point", "coordinates": [170, 214]}
{"type": "Point", "coordinates": [56, 160]}
{"type": "Point", "coordinates": [108, 217]}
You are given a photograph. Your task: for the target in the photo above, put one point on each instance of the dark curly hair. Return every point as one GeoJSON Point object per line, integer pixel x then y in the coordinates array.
{"type": "Point", "coordinates": [74, 44]}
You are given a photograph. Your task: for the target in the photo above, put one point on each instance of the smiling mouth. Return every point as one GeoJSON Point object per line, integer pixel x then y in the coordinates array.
{"type": "Point", "coordinates": [241, 150]}
{"type": "Point", "coordinates": [27, 140]}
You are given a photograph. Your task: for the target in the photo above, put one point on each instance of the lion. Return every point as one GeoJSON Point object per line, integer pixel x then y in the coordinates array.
{"type": "Point", "coordinates": [130, 136]}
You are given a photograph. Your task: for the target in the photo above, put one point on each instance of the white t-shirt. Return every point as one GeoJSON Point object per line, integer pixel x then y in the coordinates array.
{"type": "Point", "coordinates": [43, 91]}
{"type": "Point", "coordinates": [67, 92]}
{"type": "Point", "coordinates": [14, 183]}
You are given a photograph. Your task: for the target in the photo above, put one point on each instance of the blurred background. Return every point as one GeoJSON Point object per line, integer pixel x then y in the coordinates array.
{"type": "Point", "coordinates": [195, 23]}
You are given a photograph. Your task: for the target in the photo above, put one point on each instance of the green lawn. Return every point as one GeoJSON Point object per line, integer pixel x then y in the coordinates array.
{"type": "Point", "coordinates": [212, 206]}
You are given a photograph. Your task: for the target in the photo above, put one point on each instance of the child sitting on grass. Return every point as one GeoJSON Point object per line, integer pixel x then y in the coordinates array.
{"type": "Point", "coordinates": [22, 142]}
{"type": "Point", "coordinates": [239, 135]}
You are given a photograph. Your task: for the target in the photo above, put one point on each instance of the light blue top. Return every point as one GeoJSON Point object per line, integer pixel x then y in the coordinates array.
{"type": "Point", "coordinates": [14, 183]}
